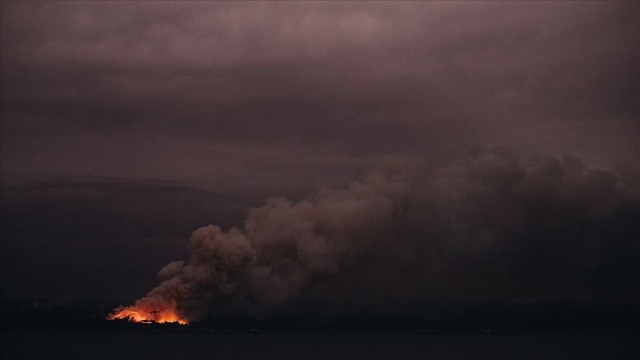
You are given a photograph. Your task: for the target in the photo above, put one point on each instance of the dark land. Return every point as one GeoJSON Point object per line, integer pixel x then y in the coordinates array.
{"type": "Point", "coordinates": [559, 329]}
{"type": "Point", "coordinates": [306, 315]}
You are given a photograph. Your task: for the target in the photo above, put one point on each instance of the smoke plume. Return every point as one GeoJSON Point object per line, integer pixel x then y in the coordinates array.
{"type": "Point", "coordinates": [493, 225]}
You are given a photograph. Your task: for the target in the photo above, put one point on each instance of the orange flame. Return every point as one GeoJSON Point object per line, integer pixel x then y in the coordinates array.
{"type": "Point", "coordinates": [141, 315]}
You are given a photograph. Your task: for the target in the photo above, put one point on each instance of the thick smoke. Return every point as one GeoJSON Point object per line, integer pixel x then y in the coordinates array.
{"type": "Point", "coordinates": [494, 225]}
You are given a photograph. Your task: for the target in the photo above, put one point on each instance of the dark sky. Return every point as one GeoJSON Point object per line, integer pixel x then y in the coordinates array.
{"type": "Point", "coordinates": [127, 125]}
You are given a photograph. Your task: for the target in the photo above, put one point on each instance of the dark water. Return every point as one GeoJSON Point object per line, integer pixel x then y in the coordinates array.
{"type": "Point", "coordinates": [285, 346]}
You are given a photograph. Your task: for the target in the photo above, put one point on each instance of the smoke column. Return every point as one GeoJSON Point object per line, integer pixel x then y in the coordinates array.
{"type": "Point", "coordinates": [492, 225]}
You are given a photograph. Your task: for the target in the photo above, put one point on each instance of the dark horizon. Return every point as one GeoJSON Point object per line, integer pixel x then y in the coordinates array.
{"type": "Point", "coordinates": [342, 152]}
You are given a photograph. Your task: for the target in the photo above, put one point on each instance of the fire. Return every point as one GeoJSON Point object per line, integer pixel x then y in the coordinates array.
{"type": "Point", "coordinates": [136, 314]}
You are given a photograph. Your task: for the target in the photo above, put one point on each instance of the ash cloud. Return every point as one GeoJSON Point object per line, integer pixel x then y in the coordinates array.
{"type": "Point", "coordinates": [495, 225]}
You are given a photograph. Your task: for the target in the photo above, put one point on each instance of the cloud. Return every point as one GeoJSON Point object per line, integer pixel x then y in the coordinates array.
{"type": "Point", "coordinates": [325, 79]}
{"type": "Point", "coordinates": [491, 226]}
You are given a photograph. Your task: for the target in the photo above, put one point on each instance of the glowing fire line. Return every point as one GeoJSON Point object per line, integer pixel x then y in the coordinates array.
{"type": "Point", "coordinates": [140, 315]}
